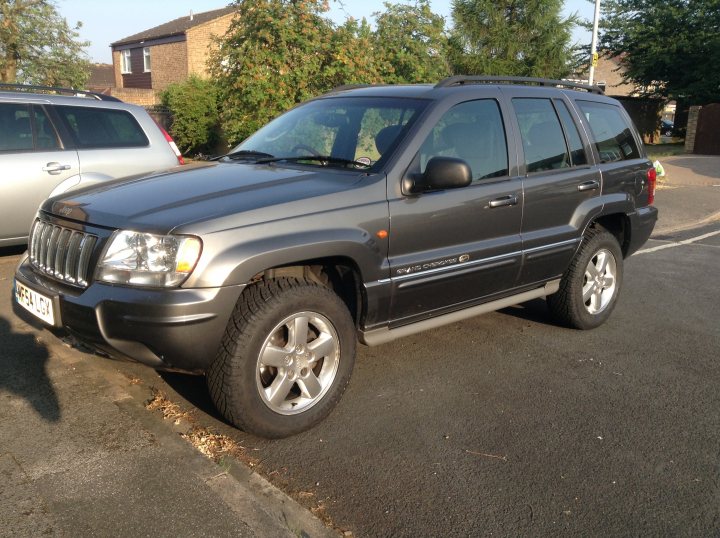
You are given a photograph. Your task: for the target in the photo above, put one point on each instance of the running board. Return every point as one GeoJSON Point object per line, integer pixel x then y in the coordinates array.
{"type": "Point", "coordinates": [385, 335]}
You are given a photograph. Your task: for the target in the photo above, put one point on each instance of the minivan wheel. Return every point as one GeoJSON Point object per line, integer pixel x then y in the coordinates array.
{"type": "Point", "coordinates": [285, 359]}
{"type": "Point", "coordinates": [589, 288]}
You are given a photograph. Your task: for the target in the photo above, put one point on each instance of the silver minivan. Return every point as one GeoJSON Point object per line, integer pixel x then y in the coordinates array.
{"type": "Point", "coordinates": [50, 144]}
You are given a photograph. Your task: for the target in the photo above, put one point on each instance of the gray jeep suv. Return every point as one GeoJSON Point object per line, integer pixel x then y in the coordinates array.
{"type": "Point", "coordinates": [52, 143]}
{"type": "Point", "coordinates": [366, 214]}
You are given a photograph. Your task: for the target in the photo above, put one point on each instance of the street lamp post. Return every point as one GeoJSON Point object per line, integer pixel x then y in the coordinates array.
{"type": "Point", "coordinates": [593, 44]}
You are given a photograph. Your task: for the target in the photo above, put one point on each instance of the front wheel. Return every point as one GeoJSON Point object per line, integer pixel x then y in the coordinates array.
{"type": "Point", "coordinates": [286, 358]}
{"type": "Point", "coordinates": [589, 288]}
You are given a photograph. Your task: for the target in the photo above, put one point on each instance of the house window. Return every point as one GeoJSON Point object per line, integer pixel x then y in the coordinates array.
{"type": "Point", "coordinates": [146, 59]}
{"type": "Point", "coordinates": [125, 66]}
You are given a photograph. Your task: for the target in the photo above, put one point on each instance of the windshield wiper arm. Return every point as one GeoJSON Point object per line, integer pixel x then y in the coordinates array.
{"type": "Point", "coordinates": [244, 154]}
{"type": "Point", "coordinates": [320, 158]}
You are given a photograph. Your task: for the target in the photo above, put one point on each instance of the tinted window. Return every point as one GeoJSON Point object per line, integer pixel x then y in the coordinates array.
{"type": "Point", "coordinates": [577, 152]}
{"type": "Point", "coordinates": [613, 137]}
{"type": "Point", "coordinates": [542, 136]}
{"type": "Point", "coordinates": [15, 127]}
{"type": "Point", "coordinates": [103, 128]}
{"type": "Point", "coordinates": [472, 131]}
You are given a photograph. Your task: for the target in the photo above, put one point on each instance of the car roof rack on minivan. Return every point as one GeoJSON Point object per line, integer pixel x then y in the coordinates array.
{"type": "Point", "coordinates": [461, 80]}
{"type": "Point", "coordinates": [54, 89]}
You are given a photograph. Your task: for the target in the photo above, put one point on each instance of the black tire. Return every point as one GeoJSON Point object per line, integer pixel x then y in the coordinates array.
{"type": "Point", "coordinates": [568, 305]}
{"type": "Point", "coordinates": [242, 385]}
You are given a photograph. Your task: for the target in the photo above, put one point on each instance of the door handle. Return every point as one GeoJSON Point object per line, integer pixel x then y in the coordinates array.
{"type": "Point", "coordinates": [54, 168]}
{"type": "Point", "coordinates": [510, 199]}
{"type": "Point", "coordinates": [589, 185]}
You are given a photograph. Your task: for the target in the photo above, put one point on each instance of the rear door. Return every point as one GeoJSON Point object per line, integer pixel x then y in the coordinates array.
{"type": "Point", "coordinates": [33, 162]}
{"type": "Point", "coordinates": [451, 248]}
{"type": "Point", "coordinates": [561, 184]}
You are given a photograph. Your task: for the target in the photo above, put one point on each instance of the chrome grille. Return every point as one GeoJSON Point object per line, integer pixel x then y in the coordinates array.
{"type": "Point", "coordinates": [61, 253]}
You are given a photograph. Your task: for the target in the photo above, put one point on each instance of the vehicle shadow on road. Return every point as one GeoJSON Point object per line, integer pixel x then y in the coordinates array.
{"type": "Point", "coordinates": [23, 371]}
{"type": "Point", "coordinates": [194, 390]}
{"type": "Point", "coordinates": [535, 310]}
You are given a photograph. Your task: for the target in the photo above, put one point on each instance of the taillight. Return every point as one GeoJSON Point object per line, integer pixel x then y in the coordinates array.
{"type": "Point", "coordinates": [652, 179]}
{"type": "Point", "coordinates": [173, 145]}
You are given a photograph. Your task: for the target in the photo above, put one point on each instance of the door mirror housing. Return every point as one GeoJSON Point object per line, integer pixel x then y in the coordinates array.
{"type": "Point", "coordinates": [440, 173]}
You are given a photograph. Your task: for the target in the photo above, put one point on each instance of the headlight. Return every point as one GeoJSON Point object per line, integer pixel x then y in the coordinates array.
{"type": "Point", "coordinates": [149, 260]}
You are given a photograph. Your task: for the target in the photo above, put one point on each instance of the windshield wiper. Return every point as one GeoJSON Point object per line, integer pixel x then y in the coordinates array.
{"type": "Point", "coordinates": [325, 159]}
{"type": "Point", "coordinates": [244, 154]}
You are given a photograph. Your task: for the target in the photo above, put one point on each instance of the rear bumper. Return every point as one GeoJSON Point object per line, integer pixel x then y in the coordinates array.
{"type": "Point", "coordinates": [642, 223]}
{"type": "Point", "coordinates": [177, 329]}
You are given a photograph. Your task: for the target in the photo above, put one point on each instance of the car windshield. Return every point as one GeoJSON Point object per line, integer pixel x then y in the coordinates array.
{"type": "Point", "coordinates": [344, 132]}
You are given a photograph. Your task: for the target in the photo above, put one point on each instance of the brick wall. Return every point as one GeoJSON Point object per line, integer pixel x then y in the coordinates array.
{"type": "Point", "coordinates": [169, 64]}
{"type": "Point", "coordinates": [200, 43]}
{"type": "Point", "coordinates": [116, 69]}
{"type": "Point", "coordinates": [136, 96]}
{"type": "Point", "coordinates": [692, 123]}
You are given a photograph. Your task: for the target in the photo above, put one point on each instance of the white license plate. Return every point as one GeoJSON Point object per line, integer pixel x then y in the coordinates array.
{"type": "Point", "coordinates": [35, 303]}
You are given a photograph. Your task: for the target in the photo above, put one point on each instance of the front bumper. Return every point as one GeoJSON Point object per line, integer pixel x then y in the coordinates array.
{"type": "Point", "coordinates": [178, 329]}
{"type": "Point", "coordinates": [642, 223]}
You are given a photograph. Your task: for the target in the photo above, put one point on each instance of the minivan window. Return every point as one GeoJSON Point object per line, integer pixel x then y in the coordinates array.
{"type": "Point", "coordinates": [542, 137]}
{"type": "Point", "coordinates": [102, 127]}
{"type": "Point", "coordinates": [612, 133]}
{"type": "Point", "coordinates": [577, 152]}
{"type": "Point", "coordinates": [15, 127]}
{"type": "Point", "coordinates": [472, 131]}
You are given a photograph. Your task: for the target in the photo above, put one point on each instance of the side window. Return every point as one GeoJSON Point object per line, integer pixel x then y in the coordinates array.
{"type": "Point", "coordinates": [15, 127]}
{"type": "Point", "coordinates": [577, 152]}
{"type": "Point", "coordinates": [146, 59]}
{"type": "Point", "coordinates": [125, 66]}
{"type": "Point", "coordinates": [542, 136]}
{"type": "Point", "coordinates": [102, 127]}
{"type": "Point", "coordinates": [44, 131]}
{"type": "Point", "coordinates": [613, 137]}
{"type": "Point", "coordinates": [472, 131]}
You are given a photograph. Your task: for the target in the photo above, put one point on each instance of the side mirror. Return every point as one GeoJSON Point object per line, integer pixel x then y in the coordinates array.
{"type": "Point", "coordinates": [440, 173]}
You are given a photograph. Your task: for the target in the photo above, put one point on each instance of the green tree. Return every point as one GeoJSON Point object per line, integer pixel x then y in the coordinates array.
{"type": "Point", "coordinates": [412, 43]}
{"type": "Point", "coordinates": [37, 46]}
{"type": "Point", "coordinates": [511, 37]}
{"type": "Point", "coordinates": [669, 48]}
{"type": "Point", "coordinates": [351, 56]}
{"type": "Point", "coordinates": [194, 109]}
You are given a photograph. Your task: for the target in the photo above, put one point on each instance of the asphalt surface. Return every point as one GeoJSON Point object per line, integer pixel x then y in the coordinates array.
{"type": "Point", "coordinates": [502, 425]}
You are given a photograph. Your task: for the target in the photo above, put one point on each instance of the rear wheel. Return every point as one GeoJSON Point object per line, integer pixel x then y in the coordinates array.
{"type": "Point", "coordinates": [286, 358]}
{"type": "Point", "coordinates": [589, 289]}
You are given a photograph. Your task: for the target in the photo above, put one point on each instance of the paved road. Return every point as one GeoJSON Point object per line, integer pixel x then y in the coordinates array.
{"type": "Point", "coordinates": [508, 425]}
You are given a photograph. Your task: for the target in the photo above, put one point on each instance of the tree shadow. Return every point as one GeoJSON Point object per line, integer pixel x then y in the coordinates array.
{"type": "Point", "coordinates": [23, 371]}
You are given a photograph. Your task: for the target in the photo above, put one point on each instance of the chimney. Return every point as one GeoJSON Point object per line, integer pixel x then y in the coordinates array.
{"type": "Point", "coordinates": [191, 15]}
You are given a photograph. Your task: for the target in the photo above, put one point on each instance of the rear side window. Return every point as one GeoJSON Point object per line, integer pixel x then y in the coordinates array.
{"type": "Point", "coordinates": [103, 128]}
{"type": "Point", "coordinates": [577, 152]}
{"type": "Point", "coordinates": [542, 135]}
{"type": "Point", "coordinates": [472, 131]}
{"type": "Point", "coordinates": [613, 136]}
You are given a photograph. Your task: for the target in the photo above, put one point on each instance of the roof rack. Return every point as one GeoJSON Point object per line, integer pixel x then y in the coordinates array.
{"type": "Point", "coordinates": [461, 80]}
{"type": "Point", "coordinates": [62, 91]}
{"type": "Point", "coordinates": [344, 87]}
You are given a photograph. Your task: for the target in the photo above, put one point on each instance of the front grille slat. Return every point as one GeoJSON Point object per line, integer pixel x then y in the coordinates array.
{"type": "Point", "coordinates": [62, 253]}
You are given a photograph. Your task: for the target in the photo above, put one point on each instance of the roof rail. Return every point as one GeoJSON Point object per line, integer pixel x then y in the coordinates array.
{"type": "Point", "coordinates": [461, 80]}
{"type": "Point", "coordinates": [62, 91]}
{"type": "Point", "coordinates": [344, 87]}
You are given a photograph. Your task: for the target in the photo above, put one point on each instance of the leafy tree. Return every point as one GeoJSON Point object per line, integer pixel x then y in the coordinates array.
{"type": "Point", "coordinates": [412, 42]}
{"type": "Point", "coordinates": [351, 56]}
{"type": "Point", "coordinates": [38, 47]}
{"type": "Point", "coordinates": [511, 37]}
{"type": "Point", "coordinates": [669, 48]}
{"type": "Point", "coordinates": [194, 109]}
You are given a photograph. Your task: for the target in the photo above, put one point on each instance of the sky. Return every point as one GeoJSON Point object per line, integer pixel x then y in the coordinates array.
{"type": "Point", "coordinates": [104, 22]}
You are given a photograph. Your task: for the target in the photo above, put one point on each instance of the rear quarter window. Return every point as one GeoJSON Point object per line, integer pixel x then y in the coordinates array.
{"type": "Point", "coordinates": [103, 128]}
{"type": "Point", "coordinates": [612, 133]}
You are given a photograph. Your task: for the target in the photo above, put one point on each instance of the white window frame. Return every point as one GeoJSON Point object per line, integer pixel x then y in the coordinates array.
{"type": "Point", "coordinates": [125, 65]}
{"type": "Point", "coordinates": [146, 60]}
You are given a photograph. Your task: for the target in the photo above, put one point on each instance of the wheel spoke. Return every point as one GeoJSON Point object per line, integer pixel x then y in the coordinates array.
{"type": "Point", "coordinates": [273, 356]}
{"type": "Point", "coordinates": [588, 290]}
{"type": "Point", "coordinates": [322, 346]}
{"type": "Point", "coordinates": [591, 272]}
{"type": "Point", "coordinates": [602, 262]}
{"type": "Point", "coordinates": [608, 281]}
{"type": "Point", "coordinates": [310, 386]}
{"type": "Point", "coordinates": [298, 331]}
{"type": "Point", "coordinates": [596, 300]}
{"type": "Point", "coordinates": [279, 389]}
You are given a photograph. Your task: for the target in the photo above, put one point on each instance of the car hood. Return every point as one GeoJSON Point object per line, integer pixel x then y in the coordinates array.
{"type": "Point", "coordinates": [163, 202]}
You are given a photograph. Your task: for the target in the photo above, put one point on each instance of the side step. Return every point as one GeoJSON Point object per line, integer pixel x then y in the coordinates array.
{"type": "Point", "coordinates": [385, 335]}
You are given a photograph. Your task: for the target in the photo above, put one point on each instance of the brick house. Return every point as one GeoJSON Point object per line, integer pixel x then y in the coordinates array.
{"type": "Point", "coordinates": [147, 62]}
